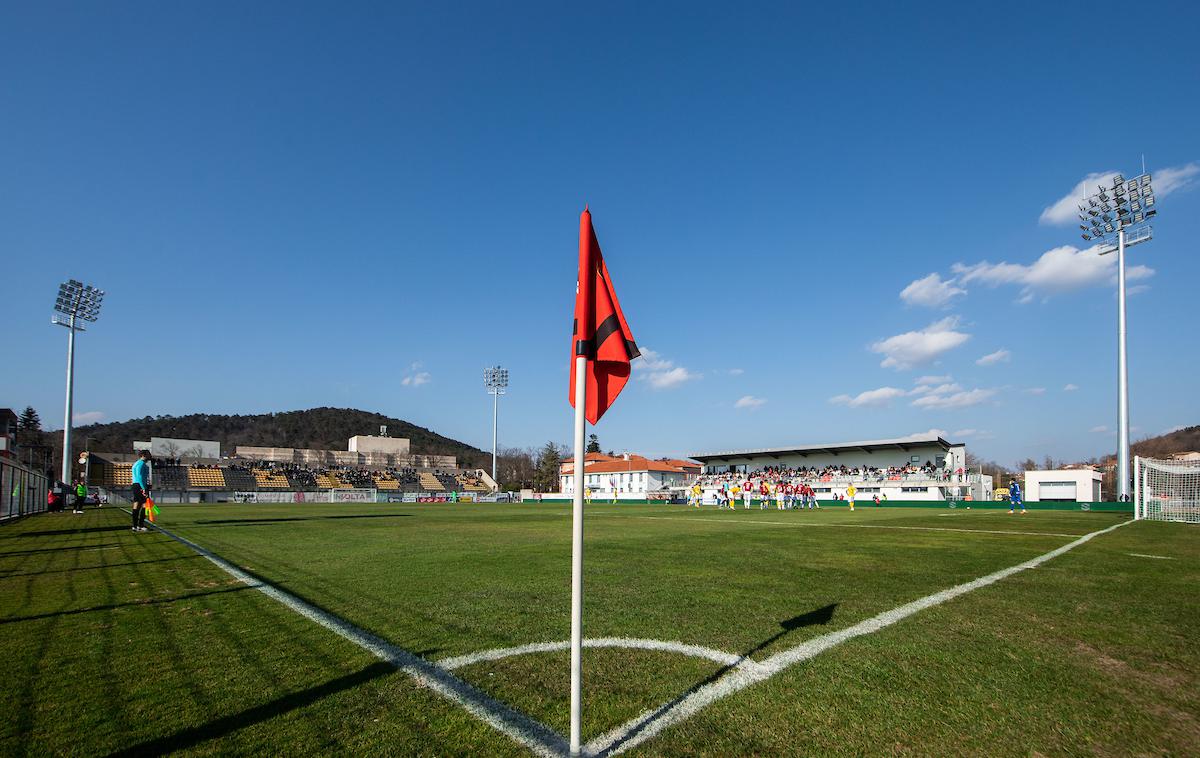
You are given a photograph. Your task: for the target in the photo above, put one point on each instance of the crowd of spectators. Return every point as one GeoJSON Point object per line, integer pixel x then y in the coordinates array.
{"type": "Point", "coordinates": [835, 474]}
{"type": "Point", "coordinates": [304, 477]}
{"type": "Point", "coordinates": [240, 473]}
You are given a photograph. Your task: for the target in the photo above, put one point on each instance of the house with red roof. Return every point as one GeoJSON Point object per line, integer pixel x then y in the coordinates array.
{"type": "Point", "coordinates": [628, 475]}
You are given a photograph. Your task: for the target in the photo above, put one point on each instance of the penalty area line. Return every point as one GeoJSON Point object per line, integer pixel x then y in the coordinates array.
{"type": "Point", "coordinates": [650, 724]}
{"type": "Point", "coordinates": [530, 733]}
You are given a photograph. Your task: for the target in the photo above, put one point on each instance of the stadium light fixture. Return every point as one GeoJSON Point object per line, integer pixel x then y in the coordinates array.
{"type": "Point", "coordinates": [76, 302]}
{"type": "Point", "coordinates": [1133, 201]}
{"type": "Point", "coordinates": [495, 380]}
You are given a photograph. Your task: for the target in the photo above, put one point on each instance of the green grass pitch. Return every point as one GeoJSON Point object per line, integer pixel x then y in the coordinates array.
{"type": "Point", "coordinates": [114, 642]}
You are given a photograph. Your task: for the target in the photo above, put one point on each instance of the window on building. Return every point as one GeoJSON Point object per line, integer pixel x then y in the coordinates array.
{"type": "Point", "coordinates": [914, 489]}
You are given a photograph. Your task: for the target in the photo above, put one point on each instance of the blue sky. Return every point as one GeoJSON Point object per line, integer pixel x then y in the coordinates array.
{"type": "Point", "coordinates": [805, 212]}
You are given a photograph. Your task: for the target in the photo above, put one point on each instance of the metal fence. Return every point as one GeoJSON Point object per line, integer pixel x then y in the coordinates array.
{"type": "Point", "coordinates": [22, 490]}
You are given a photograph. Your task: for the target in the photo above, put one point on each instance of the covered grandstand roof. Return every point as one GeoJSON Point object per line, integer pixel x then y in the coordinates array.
{"type": "Point", "coordinates": [902, 443]}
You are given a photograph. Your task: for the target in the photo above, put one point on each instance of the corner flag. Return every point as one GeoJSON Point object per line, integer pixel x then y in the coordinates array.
{"type": "Point", "coordinates": [601, 334]}
{"type": "Point", "coordinates": [601, 348]}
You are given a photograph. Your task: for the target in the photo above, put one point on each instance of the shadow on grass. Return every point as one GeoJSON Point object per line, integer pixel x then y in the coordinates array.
{"type": "Point", "coordinates": [131, 604]}
{"type": "Point", "coordinates": [4, 574]}
{"type": "Point", "coordinates": [65, 532]}
{"type": "Point", "coordinates": [818, 617]}
{"type": "Point", "coordinates": [12, 553]}
{"type": "Point", "coordinates": [254, 521]}
{"type": "Point", "coordinates": [192, 736]}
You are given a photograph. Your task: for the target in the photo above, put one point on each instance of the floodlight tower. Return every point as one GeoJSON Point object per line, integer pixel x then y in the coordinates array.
{"type": "Point", "coordinates": [1123, 210]}
{"type": "Point", "coordinates": [495, 379]}
{"type": "Point", "coordinates": [76, 302]}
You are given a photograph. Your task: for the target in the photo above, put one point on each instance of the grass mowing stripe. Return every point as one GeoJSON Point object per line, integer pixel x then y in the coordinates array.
{"type": "Point", "coordinates": [536, 736]}
{"type": "Point", "coordinates": [650, 724]}
{"type": "Point", "coordinates": [848, 526]}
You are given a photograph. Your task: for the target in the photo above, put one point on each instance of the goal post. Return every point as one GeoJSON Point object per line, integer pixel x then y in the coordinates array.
{"type": "Point", "coordinates": [1166, 490]}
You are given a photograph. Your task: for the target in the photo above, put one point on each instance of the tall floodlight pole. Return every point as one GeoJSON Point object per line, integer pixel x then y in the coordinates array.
{"type": "Point", "coordinates": [76, 303]}
{"type": "Point", "coordinates": [1123, 210]}
{"type": "Point", "coordinates": [495, 379]}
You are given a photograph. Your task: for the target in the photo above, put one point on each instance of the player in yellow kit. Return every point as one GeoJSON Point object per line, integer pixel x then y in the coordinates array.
{"type": "Point", "coordinates": [850, 495]}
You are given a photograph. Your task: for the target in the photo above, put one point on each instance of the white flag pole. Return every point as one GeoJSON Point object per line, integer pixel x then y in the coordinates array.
{"type": "Point", "coordinates": [577, 557]}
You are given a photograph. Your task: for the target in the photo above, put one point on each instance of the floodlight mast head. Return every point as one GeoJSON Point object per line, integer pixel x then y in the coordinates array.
{"type": "Point", "coordinates": [1127, 206]}
{"type": "Point", "coordinates": [495, 379]}
{"type": "Point", "coordinates": [77, 302]}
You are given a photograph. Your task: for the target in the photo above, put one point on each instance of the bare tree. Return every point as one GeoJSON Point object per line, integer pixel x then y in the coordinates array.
{"type": "Point", "coordinates": [515, 468]}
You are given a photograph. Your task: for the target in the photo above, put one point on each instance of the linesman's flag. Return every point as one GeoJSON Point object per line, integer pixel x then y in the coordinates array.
{"type": "Point", "coordinates": [600, 334]}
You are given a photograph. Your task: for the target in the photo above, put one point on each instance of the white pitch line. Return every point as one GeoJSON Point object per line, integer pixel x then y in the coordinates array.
{"type": "Point", "coordinates": [857, 526]}
{"type": "Point", "coordinates": [651, 723]}
{"type": "Point", "coordinates": [629, 643]}
{"type": "Point", "coordinates": [1156, 557]}
{"type": "Point", "coordinates": [527, 731]}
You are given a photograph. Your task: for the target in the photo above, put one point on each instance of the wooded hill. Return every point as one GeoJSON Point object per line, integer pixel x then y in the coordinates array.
{"type": "Point", "coordinates": [320, 428]}
{"type": "Point", "coordinates": [1185, 440]}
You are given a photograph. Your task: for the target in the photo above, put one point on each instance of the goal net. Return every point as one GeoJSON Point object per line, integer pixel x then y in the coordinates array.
{"type": "Point", "coordinates": [1167, 490]}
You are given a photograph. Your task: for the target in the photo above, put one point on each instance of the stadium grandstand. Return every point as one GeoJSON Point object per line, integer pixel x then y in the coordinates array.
{"type": "Point", "coordinates": [373, 468]}
{"type": "Point", "coordinates": [920, 467]}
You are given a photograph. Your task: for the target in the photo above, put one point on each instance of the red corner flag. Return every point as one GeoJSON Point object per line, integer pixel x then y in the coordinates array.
{"type": "Point", "coordinates": [601, 333]}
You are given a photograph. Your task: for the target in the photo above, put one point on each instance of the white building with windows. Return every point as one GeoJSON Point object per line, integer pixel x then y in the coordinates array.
{"type": "Point", "coordinates": [1064, 485]}
{"type": "Point", "coordinates": [627, 476]}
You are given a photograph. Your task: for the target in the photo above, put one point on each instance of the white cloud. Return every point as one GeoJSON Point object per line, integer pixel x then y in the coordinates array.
{"type": "Point", "coordinates": [1099, 429]}
{"type": "Point", "coordinates": [673, 377]}
{"type": "Point", "coordinates": [883, 396]}
{"type": "Point", "coordinates": [1168, 180]}
{"type": "Point", "coordinates": [736, 371]}
{"type": "Point", "coordinates": [1036, 391]}
{"type": "Point", "coordinates": [921, 435]}
{"type": "Point", "coordinates": [941, 389]}
{"type": "Point", "coordinates": [933, 379]}
{"type": "Point", "coordinates": [749, 401]}
{"type": "Point", "coordinates": [870, 398]}
{"type": "Point", "coordinates": [1070, 388]}
{"type": "Point", "coordinates": [660, 372]}
{"type": "Point", "coordinates": [1136, 289]}
{"type": "Point", "coordinates": [961, 399]}
{"type": "Point", "coordinates": [904, 351]}
{"type": "Point", "coordinates": [87, 417]}
{"type": "Point", "coordinates": [978, 434]}
{"type": "Point", "coordinates": [1059, 270]}
{"type": "Point", "coordinates": [1000, 356]}
{"type": "Point", "coordinates": [417, 379]}
{"type": "Point", "coordinates": [931, 291]}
